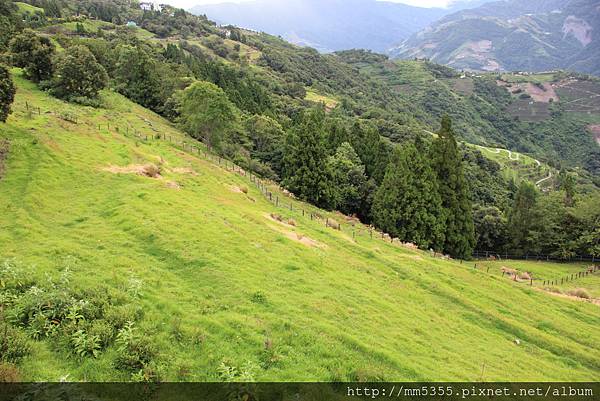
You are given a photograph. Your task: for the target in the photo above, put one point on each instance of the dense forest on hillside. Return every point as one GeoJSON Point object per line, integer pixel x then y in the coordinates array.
{"type": "Point", "coordinates": [344, 131]}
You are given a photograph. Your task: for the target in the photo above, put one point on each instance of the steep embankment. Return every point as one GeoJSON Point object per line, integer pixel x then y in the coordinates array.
{"type": "Point", "coordinates": [222, 285]}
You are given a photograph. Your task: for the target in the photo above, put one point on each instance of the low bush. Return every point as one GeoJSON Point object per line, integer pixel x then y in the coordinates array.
{"type": "Point", "coordinates": [14, 344]}
{"type": "Point", "coordinates": [119, 316]}
{"type": "Point", "coordinates": [135, 352]}
{"type": "Point", "coordinates": [259, 297]}
{"type": "Point", "coordinates": [85, 344]}
{"type": "Point", "coordinates": [103, 331]}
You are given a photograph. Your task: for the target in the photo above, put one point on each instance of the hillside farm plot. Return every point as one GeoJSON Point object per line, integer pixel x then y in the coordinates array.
{"type": "Point", "coordinates": [579, 96]}
{"type": "Point", "coordinates": [465, 86]}
{"type": "Point", "coordinates": [529, 111]}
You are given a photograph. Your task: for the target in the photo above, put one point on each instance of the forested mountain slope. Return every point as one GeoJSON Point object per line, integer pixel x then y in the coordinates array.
{"type": "Point", "coordinates": [513, 35]}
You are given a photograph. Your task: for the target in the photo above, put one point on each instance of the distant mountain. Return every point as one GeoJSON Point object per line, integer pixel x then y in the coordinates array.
{"type": "Point", "coordinates": [532, 35]}
{"type": "Point", "coordinates": [330, 25]}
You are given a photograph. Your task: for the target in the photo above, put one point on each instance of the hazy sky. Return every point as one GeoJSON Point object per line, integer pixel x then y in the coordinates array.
{"type": "Point", "coordinates": [190, 3]}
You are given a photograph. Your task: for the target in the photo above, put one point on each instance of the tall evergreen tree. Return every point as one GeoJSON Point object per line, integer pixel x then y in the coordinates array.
{"type": "Point", "coordinates": [447, 161]}
{"type": "Point", "coordinates": [371, 149]}
{"type": "Point", "coordinates": [523, 219]}
{"type": "Point", "coordinates": [305, 169]}
{"type": "Point", "coordinates": [348, 180]}
{"type": "Point", "coordinates": [407, 205]}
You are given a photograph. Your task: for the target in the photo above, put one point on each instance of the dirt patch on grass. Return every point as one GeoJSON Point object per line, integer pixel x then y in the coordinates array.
{"type": "Point", "coordinates": [238, 190]}
{"type": "Point", "coordinates": [145, 170]}
{"type": "Point", "coordinates": [173, 185]}
{"type": "Point", "coordinates": [4, 148]}
{"type": "Point", "coordinates": [594, 301]}
{"type": "Point", "coordinates": [543, 94]}
{"type": "Point", "coordinates": [304, 240]}
{"type": "Point", "coordinates": [184, 170]}
{"type": "Point", "coordinates": [281, 220]}
{"type": "Point", "coordinates": [292, 235]}
{"type": "Point", "coordinates": [595, 130]}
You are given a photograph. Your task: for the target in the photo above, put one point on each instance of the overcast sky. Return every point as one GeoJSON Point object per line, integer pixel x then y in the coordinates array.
{"type": "Point", "coordinates": [190, 3]}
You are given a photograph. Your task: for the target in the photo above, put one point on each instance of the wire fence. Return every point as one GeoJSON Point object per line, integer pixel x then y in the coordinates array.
{"type": "Point", "coordinates": [495, 255]}
{"type": "Point", "coordinates": [277, 198]}
{"type": "Point", "coordinates": [280, 200]}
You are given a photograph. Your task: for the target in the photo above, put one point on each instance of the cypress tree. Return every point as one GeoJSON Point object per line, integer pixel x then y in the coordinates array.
{"type": "Point", "coordinates": [305, 168]}
{"type": "Point", "coordinates": [372, 150]}
{"type": "Point", "coordinates": [523, 218]}
{"type": "Point", "coordinates": [407, 205]}
{"type": "Point", "coordinates": [447, 161]}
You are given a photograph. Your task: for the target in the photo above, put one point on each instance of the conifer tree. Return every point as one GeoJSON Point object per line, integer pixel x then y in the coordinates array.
{"type": "Point", "coordinates": [371, 149]}
{"type": "Point", "coordinates": [305, 170]}
{"type": "Point", "coordinates": [348, 180]}
{"type": "Point", "coordinates": [407, 205]}
{"type": "Point", "coordinates": [447, 161]}
{"type": "Point", "coordinates": [523, 218]}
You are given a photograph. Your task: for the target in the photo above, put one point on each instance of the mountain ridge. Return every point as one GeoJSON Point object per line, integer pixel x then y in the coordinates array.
{"type": "Point", "coordinates": [495, 36]}
{"type": "Point", "coordinates": [330, 25]}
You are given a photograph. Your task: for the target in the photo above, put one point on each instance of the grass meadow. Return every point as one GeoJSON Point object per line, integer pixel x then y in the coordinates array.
{"type": "Point", "coordinates": [228, 293]}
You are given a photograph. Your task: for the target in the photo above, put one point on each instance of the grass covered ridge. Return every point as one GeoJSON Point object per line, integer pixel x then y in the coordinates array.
{"type": "Point", "coordinates": [225, 292]}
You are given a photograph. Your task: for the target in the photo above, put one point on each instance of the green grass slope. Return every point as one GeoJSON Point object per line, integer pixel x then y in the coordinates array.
{"type": "Point", "coordinates": [223, 286]}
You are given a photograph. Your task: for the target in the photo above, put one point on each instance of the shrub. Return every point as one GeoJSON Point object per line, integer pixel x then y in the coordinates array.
{"type": "Point", "coordinates": [119, 316]}
{"type": "Point", "coordinates": [68, 116]}
{"type": "Point", "coordinates": [103, 331]}
{"type": "Point", "coordinates": [85, 344]}
{"type": "Point", "coordinates": [259, 297]}
{"type": "Point", "coordinates": [580, 293]}
{"type": "Point", "coordinates": [134, 352]}
{"type": "Point", "coordinates": [14, 345]}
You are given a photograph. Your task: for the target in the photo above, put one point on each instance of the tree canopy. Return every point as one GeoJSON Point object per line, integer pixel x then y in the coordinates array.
{"type": "Point", "coordinates": [207, 113]}
{"type": "Point", "coordinates": [78, 74]}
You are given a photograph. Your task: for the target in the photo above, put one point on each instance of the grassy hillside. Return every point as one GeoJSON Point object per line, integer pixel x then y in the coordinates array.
{"type": "Point", "coordinates": [224, 292]}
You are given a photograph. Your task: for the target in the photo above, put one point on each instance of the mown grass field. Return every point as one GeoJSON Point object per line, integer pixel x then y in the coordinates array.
{"type": "Point", "coordinates": [223, 286]}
